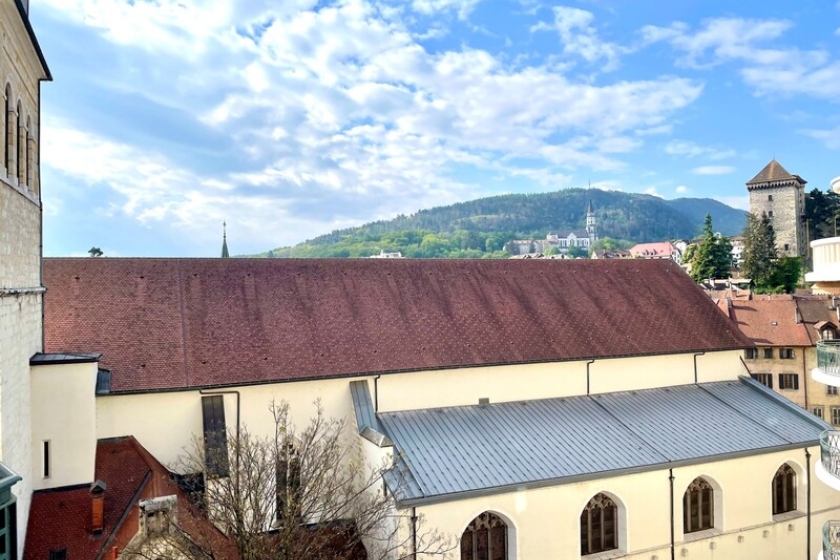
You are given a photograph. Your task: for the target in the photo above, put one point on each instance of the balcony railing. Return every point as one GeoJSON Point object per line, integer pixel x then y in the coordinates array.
{"type": "Point", "coordinates": [828, 357]}
{"type": "Point", "coordinates": [831, 540]}
{"type": "Point", "coordinates": [830, 451]}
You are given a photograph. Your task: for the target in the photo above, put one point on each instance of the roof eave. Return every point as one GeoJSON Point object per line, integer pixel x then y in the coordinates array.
{"type": "Point", "coordinates": [35, 44]}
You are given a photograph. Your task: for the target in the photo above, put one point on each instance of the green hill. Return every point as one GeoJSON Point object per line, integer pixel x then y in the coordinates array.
{"type": "Point", "coordinates": [480, 228]}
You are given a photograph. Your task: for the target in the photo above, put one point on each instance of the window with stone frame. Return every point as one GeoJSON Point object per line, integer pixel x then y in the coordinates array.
{"type": "Point", "coordinates": [765, 379]}
{"type": "Point", "coordinates": [818, 412]}
{"type": "Point", "coordinates": [786, 353]}
{"type": "Point", "coordinates": [751, 354]}
{"type": "Point", "coordinates": [698, 506]}
{"type": "Point", "coordinates": [485, 538]}
{"type": "Point", "coordinates": [789, 381]}
{"type": "Point", "coordinates": [830, 390]}
{"type": "Point", "coordinates": [768, 353]}
{"type": "Point", "coordinates": [784, 490]}
{"type": "Point", "coordinates": [599, 525]}
{"type": "Point", "coordinates": [8, 136]}
{"type": "Point", "coordinates": [835, 415]}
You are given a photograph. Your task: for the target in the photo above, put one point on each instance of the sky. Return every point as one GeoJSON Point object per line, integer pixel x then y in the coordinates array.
{"type": "Point", "coordinates": [289, 119]}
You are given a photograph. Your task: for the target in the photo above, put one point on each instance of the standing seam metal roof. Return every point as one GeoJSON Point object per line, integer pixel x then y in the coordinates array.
{"type": "Point", "coordinates": [445, 452]}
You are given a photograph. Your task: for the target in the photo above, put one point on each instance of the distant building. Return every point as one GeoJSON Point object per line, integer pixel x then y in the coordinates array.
{"type": "Point", "coordinates": [384, 255]}
{"type": "Point", "coordinates": [781, 195]}
{"type": "Point", "coordinates": [560, 241]}
{"type": "Point", "coordinates": [661, 250]}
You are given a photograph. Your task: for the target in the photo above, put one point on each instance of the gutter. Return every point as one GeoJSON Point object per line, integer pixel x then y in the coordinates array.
{"type": "Point", "coordinates": [808, 523]}
{"type": "Point", "coordinates": [702, 353]}
{"type": "Point", "coordinates": [673, 540]}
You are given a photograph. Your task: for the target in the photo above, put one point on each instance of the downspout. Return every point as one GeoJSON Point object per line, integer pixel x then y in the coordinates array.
{"type": "Point", "coordinates": [413, 533]}
{"type": "Point", "coordinates": [703, 353]}
{"type": "Point", "coordinates": [671, 481]}
{"type": "Point", "coordinates": [805, 376]}
{"type": "Point", "coordinates": [808, 523]}
{"type": "Point", "coordinates": [41, 228]}
{"type": "Point", "coordinates": [376, 393]}
{"type": "Point", "coordinates": [587, 374]}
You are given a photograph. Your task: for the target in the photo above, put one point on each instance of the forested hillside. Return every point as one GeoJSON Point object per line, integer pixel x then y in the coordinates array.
{"type": "Point", "coordinates": [480, 228]}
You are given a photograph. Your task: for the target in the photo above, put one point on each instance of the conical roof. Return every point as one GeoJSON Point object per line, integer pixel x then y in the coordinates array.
{"type": "Point", "coordinates": [589, 209]}
{"type": "Point", "coordinates": [225, 253]}
{"type": "Point", "coordinates": [772, 172]}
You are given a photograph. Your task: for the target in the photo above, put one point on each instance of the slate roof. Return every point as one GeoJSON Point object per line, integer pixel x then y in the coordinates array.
{"type": "Point", "coordinates": [768, 322]}
{"type": "Point", "coordinates": [61, 518]}
{"type": "Point", "coordinates": [774, 172]}
{"type": "Point", "coordinates": [449, 452]}
{"type": "Point", "coordinates": [167, 324]}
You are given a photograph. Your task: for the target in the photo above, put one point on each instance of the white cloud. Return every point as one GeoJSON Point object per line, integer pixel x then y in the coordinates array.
{"type": "Point", "coordinates": [462, 7]}
{"type": "Point", "coordinates": [652, 191]}
{"type": "Point", "coordinates": [682, 189]}
{"type": "Point", "coordinates": [829, 137]}
{"type": "Point", "coordinates": [691, 150]}
{"type": "Point", "coordinates": [580, 38]}
{"type": "Point", "coordinates": [713, 170]}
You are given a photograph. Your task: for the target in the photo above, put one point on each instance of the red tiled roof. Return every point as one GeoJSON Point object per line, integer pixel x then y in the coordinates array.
{"type": "Point", "coordinates": [774, 172]}
{"type": "Point", "coordinates": [768, 322]}
{"type": "Point", "coordinates": [178, 323]}
{"type": "Point", "coordinates": [661, 249]}
{"type": "Point", "coordinates": [61, 518]}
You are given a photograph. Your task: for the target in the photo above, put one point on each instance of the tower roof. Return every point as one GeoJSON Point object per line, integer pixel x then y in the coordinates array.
{"type": "Point", "coordinates": [774, 172]}
{"type": "Point", "coordinates": [589, 209]}
{"type": "Point", "coordinates": [225, 253]}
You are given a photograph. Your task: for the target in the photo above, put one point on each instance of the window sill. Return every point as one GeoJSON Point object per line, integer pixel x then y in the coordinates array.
{"type": "Point", "coordinates": [606, 555]}
{"type": "Point", "coordinates": [700, 535]}
{"type": "Point", "coordinates": [788, 515]}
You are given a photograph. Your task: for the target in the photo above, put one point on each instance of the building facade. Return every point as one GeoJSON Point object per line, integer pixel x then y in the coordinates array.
{"type": "Point", "coordinates": [781, 195]}
{"type": "Point", "coordinates": [22, 69]}
{"type": "Point", "coordinates": [559, 241]}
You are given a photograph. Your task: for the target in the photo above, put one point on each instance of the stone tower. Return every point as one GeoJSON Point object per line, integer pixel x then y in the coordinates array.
{"type": "Point", "coordinates": [591, 228]}
{"type": "Point", "coordinates": [782, 196]}
{"type": "Point", "coordinates": [22, 69]}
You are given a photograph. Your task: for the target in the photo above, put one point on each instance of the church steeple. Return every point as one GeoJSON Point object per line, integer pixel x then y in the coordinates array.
{"type": "Point", "coordinates": [590, 222]}
{"type": "Point", "coordinates": [225, 254]}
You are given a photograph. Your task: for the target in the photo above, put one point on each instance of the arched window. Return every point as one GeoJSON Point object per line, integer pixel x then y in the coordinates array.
{"type": "Point", "coordinates": [9, 135]}
{"type": "Point", "coordinates": [29, 173]}
{"type": "Point", "coordinates": [784, 490]}
{"type": "Point", "coordinates": [485, 539]}
{"type": "Point", "coordinates": [288, 484]}
{"type": "Point", "coordinates": [599, 525]}
{"type": "Point", "coordinates": [21, 146]}
{"type": "Point", "coordinates": [698, 506]}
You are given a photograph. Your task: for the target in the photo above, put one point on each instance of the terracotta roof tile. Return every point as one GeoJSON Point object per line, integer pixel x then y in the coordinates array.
{"type": "Point", "coordinates": [178, 323]}
{"type": "Point", "coordinates": [768, 322]}
{"type": "Point", "coordinates": [662, 249]}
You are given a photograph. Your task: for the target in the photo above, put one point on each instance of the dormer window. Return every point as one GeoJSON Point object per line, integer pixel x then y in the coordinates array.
{"type": "Point", "coordinates": [828, 333]}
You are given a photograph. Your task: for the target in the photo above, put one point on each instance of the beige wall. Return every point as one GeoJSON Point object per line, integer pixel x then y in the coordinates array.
{"type": "Point", "coordinates": [798, 365]}
{"type": "Point", "coordinates": [546, 521]}
{"type": "Point", "coordinates": [64, 414]}
{"type": "Point", "coordinates": [165, 422]}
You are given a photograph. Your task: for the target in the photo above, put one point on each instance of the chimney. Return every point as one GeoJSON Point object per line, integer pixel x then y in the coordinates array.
{"type": "Point", "coordinates": [97, 498]}
{"type": "Point", "coordinates": [798, 314]}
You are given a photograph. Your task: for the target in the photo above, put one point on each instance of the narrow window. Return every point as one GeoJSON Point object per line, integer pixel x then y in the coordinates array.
{"type": "Point", "coordinates": [789, 381]}
{"type": "Point", "coordinates": [485, 539]}
{"type": "Point", "coordinates": [698, 506]}
{"type": "Point", "coordinates": [7, 114]}
{"type": "Point", "coordinates": [46, 459]}
{"type": "Point", "coordinates": [599, 525]}
{"type": "Point", "coordinates": [765, 379]}
{"type": "Point", "coordinates": [215, 436]}
{"type": "Point", "coordinates": [288, 485]}
{"type": "Point", "coordinates": [28, 153]}
{"type": "Point", "coordinates": [21, 140]}
{"type": "Point", "coordinates": [818, 412]}
{"type": "Point", "coordinates": [768, 353]}
{"type": "Point", "coordinates": [770, 214]}
{"type": "Point", "coordinates": [784, 490]}
{"type": "Point", "coordinates": [835, 415]}
{"type": "Point", "coordinates": [770, 198]}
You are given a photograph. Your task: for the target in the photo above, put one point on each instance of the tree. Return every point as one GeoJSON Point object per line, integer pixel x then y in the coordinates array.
{"type": "Point", "coordinates": [821, 210]}
{"type": "Point", "coordinates": [577, 252]}
{"type": "Point", "coordinates": [292, 495]}
{"type": "Point", "coordinates": [712, 256]}
{"type": "Point", "coordinates": [760, 253]}
{"type": "Point", "coordinates": [95, 252]}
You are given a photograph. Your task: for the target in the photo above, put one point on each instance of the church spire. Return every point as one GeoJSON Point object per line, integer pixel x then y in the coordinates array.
{"type": "Point", "coordinates": [225, 254]}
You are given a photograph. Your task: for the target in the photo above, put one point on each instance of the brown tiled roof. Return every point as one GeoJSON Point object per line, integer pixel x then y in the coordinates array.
{"type": "Point", "coordinates": [179, 323]}
{"type": "Point", "coordinates": [768, 322]}
{"type": "Point", "coordinates": [662, 249]}
{"type": "Point", "coordinates": [773, 172]}
{"type": "Point", "coordinates": [815, 313]}
{"type": "Point", "coordinates": [61, 518]}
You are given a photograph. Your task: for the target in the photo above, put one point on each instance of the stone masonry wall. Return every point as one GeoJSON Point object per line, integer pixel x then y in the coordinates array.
{"type": "Point", "coordinates": [786, 208]}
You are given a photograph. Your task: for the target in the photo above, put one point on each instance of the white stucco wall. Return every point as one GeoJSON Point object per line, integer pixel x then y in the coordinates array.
{"type": "Point", "coordinates": [64, 414]}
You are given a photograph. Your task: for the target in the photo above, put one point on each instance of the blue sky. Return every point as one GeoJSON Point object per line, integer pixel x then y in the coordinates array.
{"type": "Point", "coordinates": [290, 119]}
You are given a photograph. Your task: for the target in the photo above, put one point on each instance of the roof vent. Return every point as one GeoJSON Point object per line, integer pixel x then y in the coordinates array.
{"type": "Point", "coordinates": [483, 401]}
{"type": "Point", "coordinates": [774, 323]}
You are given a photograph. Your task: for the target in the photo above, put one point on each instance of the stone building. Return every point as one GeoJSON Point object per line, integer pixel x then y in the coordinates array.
{"type": "Point", "coordinates": [22, 69]}
{"type": "Point", "coordinates": [561, 241]}
{"type": "Point", "coordinates": [781, 196]}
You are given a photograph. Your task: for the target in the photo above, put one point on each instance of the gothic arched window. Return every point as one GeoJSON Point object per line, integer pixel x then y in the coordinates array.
{"type": "Point", "coordinates": [9, 131]}
{"type": "Point", "coordinates": [485, 538]}
{"type": "Point", "coordinates": [698, 506]}
{"type": "Point", "coordinates": [21, 148]}
{"type": "Point", "coordinates": [784, 490]}
{"type": "Point", "coordinates": [599, 525]}
{"type": "Point", "coordinates": [28, 154]}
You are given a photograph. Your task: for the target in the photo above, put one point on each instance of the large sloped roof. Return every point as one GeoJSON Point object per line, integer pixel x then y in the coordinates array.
{"type": "Point", "coordinates": [448, 452]}
{"type": "Point", "coordinates": [164, 324]}
{"type": "Point", "coordinates": [768, 322]}
{"type": "Point", "coordinates": [774, 172]}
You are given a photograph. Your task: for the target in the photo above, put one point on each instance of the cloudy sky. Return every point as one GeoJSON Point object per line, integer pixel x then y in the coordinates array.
{"type": "Point", "coordinates": [292, 118]}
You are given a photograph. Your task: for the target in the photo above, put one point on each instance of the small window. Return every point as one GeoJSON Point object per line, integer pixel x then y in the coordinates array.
{"type": "Point", "coordinates": [784, 490]}
{"type": "Point", "coordinates": [751, 353]}
{"type": "Point", "coordinates": [786, 353]}
{"type": "Point", "coordinates": [828, 334]}
{"type": "Point", "coordinates": [835, 415]}
{"type": "Point", "coordinates": [215, 436]}
{"type": "Point", "coordinates": [770, 198]}
{"type": "Point", "coordinates": [787, 247]}
{"type": "Point", "coordinates": [46, 458]}
{"type": "Point", "coordinates": [768, 353]}
{"type": "Point", "coordinates": [698, 506]}
{"type": "Point", "coordinates": [770, 214]}
{"type": "Point", "coordinates": [60, 554]}
{"type": "Point", "coordinates": [765, 379]}
{"type": "Point", "coordinates": [789, 381]}
{"type": "Point", "coordinates": [829, 390]}
{"type": "Point", "coordinates": [599, 525]}
{"type": "Point", "coordinates": [818, 412]}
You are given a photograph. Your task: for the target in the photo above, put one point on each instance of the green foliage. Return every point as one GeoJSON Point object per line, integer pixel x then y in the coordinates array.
{"type": "Point", "coordinates": [95, 252]}
{"type": "Point", "coordinates": [711, 258]}
{"type": "Point", "coordinates": [760, 253]}
{"type": "Point", "coordinates": [785, 276]}
{"type": "Point", "coordinates": [575, 252]}
{"type": "Point", "coordinates": [821, 211]}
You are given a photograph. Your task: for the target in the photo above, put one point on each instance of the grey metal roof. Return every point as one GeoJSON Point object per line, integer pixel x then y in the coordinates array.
{"type": "Point", "coordinates": [42, 359]}
{"type": "Point", "coordinates": [446, 452]}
